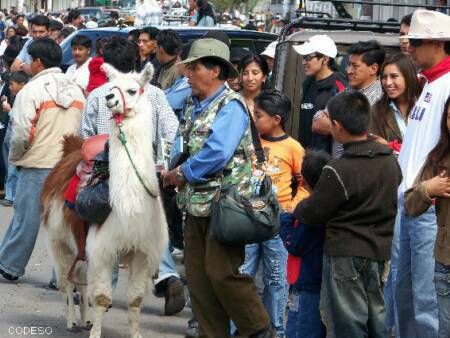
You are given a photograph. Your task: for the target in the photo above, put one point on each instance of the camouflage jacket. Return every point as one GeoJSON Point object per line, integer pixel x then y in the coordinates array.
{"type": "Point", "coordinates": [197, 197]}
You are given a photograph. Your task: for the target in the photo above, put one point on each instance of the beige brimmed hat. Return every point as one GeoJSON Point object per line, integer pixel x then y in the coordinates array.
{"type": "Point", "coordinates": [212, 48]}
{"type": "Point", "coordinates": [429, 25]}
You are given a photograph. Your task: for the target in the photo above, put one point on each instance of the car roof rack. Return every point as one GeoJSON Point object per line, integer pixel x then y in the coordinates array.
{"type": "Point", "coordinates": [341, 24]}
{"type": "Point", "coordinates": [344, 14]}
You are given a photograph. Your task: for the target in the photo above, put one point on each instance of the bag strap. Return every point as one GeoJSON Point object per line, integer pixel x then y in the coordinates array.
{"type": "Point", "coordinates": [187, 133]}
{"type": "Point", "coordinates": [259, 151]}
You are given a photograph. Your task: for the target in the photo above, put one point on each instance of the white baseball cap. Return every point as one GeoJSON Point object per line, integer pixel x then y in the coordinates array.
{"type": "Point", "coordinates": [322, 44]}
{"type": "Point", "coordinates": [429, 25]}
{"type": "Point", "coordinates": [270, 50]}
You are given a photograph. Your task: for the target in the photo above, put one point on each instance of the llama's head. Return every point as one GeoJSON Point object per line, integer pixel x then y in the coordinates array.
{"type": "Point", "coordinates": [126, 89]}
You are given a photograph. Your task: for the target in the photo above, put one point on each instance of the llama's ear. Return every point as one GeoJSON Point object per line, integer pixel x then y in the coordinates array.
{"type": "Point", "coordinates": [146, 74]}
{"type": "Point", "coordinates": [110, 71]}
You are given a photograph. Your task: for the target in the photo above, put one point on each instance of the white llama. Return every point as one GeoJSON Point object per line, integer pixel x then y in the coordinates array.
{"type": "Point", "coordinates": [136, 228]}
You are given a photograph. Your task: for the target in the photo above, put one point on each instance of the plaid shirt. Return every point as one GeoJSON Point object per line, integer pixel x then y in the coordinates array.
{"type": "Point", "coordinates": [96, 117]}
{"type": "Point", "coordinates": [373, 92]}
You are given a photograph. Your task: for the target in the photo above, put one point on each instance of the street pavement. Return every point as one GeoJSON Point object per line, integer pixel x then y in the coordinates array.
{"type": "Point", "coordinates": [27, 305]}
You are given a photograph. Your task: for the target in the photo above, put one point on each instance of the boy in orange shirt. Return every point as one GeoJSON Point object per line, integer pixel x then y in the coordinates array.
{"type": "Point", "coordinates": [284, 161]}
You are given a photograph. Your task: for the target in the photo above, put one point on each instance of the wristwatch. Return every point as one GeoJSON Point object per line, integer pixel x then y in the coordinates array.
{"type": "Point", "coordinates": [179, 174]}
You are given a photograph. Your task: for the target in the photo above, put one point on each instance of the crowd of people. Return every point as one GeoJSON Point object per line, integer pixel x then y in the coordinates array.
{"type": "Point", "coordinates": [362, 249]}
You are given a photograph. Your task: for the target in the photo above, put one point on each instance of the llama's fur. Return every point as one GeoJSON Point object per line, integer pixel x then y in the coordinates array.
{"type": "Point", "coordinates": [136, 228]}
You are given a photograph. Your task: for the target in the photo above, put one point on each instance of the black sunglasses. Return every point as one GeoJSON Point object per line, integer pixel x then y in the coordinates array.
{"type": "Point", "coordinates": [415, 42]}
{"type": "Point", "coordinates": [309, 57]}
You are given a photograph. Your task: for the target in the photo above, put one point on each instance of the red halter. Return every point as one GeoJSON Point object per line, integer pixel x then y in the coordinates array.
{"type": "Point", "coordinates": [118, 117]}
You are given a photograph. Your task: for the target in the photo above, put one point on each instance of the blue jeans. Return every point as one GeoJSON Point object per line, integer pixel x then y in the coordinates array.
{"type": "Point", "coordinates": [442, 282]}
{"type": "Point", "coordinates": [414, 290]}
{"type": "Point", "coordinates": [11, 176]}
{"type": "Point", "coordinates": [351, 298]}
{"type": "Point", "coordinates": [274, 258]}
{"type": "Point", "coordinates": [167, 267]}
{"type": "Point", "coordinates": [20, 238]}
{"type": "Point", "coordinates": [304, 315]}
{"type": "Point", "coordinates": [391, 318]}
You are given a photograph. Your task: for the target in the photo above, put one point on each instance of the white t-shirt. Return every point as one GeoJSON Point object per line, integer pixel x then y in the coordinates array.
{"type": "Point", "coordinates": [79, 75]}
{"type": "Point", "coordinates": [424, 129]}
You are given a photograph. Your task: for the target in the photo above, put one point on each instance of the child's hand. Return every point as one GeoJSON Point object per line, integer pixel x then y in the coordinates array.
{"type": "Point", "coordinates": [438, 186]}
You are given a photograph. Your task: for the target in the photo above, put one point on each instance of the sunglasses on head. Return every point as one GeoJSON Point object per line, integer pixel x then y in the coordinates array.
{"type": "Point", "coordinates": [415, 42]}
{"type": "Point", "coordinates": [309, 57]}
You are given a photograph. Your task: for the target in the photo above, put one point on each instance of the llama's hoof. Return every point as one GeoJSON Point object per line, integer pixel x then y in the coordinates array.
{"type": "Point", "coordinates": [87, 327]}
{"type": "Point", "coordinates": [136, 335]}
{"type": "Point", "coordinates": [74, 328]}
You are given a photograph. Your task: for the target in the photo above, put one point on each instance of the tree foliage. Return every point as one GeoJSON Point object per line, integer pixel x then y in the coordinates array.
{"type": "Point", "coordinates": [243, 5]}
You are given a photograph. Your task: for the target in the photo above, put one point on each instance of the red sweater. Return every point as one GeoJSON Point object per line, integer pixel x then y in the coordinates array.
{"type": "Point", "coordinates": [97, 77]}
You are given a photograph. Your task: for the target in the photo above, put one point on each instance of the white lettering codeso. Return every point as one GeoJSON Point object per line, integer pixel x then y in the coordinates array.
{"type": "Point", "coordinates": [30, 331]}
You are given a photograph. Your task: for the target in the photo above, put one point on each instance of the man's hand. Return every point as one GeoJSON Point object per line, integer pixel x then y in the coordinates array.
{"type": "Point", "coordinates": [379, 139]}
{"type": "Point", "coordinates": [26, 68]}
{"type": "Point", "coordinates": [172, 178]}
{"type": "Point", "coordinates": [438, 186]}
{"type": "Point", "coordinates": [5, 105]}
{"type": "Point", "coordinates": [321, 124]}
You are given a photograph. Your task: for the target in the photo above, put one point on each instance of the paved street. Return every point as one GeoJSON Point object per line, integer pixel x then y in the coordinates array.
{"type": "Point", "coordinates": [29, 304]}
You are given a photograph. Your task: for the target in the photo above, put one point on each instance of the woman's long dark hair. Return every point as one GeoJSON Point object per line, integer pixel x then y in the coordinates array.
{"type": "Point", "coordinates": [412, 86]}
{"type": "Point", "coordinates": [442, 148]}
{"type": "Point", "coordinates": [259, 60]}
{"type": "Point", "coordinates": [205, 9]}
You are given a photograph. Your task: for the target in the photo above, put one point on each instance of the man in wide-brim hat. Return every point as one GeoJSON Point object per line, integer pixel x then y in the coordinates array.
{"type": "Point", "coordinates": [413, 264]}
{"type": "Point", "coordinates": [215, 136]}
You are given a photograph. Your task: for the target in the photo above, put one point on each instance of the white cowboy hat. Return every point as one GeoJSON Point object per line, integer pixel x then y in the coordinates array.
{"type": "Point", "coordinates": [322, 44]}
{"type": "Point", "coordinates": [429, 25]}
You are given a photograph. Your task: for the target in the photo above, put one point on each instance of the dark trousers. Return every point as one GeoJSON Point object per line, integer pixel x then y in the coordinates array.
{"type": "Point", "coordinates": [351, 299]}
{"type": "Point", "coordinates": [218, 292]}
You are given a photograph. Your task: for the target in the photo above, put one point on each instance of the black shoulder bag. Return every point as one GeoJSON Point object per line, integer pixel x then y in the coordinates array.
{"type": "Point", "coordinates": [237, 220]}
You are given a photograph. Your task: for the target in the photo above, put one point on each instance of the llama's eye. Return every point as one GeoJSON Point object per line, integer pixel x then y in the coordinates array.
{"type": "Point", "coordinates": [131, 91]}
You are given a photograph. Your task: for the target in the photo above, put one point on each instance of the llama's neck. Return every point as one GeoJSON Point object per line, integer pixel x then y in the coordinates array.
{"type": "Point", "coordinates": [127, 194]}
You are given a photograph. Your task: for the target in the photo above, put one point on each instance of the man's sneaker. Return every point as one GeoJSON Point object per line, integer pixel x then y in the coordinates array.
{"type": "Point", "coordinates": [192, 330]}
{"type": "Point", "coordinates": [6, 203]}
{"type": "Point", "coordinates": [177, 252]}
{"type": "Point", "coordinates": [8, 276]}
{"type": "Point", "coordinates": [174, 296]}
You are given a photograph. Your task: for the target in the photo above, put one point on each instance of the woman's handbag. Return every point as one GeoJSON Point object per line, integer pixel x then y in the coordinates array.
{"type": "Point", "coordinates": [237, 220]}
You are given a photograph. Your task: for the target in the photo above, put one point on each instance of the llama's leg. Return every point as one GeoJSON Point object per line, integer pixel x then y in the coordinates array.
{"type": "Point", "coordinates": [137, 288]}
{"type": "Point", "coordinates": [84, 322]}
{"type": "Point", "coordinates": [99, 278]}
{"type": "Point", "coordinates": [64, 258]}
{"type": "Point", "coordinates": [71, 318]}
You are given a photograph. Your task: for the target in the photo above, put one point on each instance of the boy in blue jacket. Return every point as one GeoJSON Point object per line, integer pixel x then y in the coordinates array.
{"type": "Point", "coordinates": [306, 242]}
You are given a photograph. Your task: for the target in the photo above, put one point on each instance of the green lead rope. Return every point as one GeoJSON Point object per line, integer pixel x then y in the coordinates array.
{"type": "Point", "coordinates": [123, 140]}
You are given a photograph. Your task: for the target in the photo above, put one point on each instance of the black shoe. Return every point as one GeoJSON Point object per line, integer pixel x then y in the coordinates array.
{"type": "Point", "coordinates": [268, 332]}
{"type": "Point", "coordinates": [192, 330]}
{"type": "Point", "coordinates": [52, 286]}
{"type": "Point", "coordinates": [160, 288]}
{"type": "Point", "coordinates": [7, 276]}
{"type": "Point", "coordinates": [174, 296]}
{"type": "Point", "coordinates": [6, 203]}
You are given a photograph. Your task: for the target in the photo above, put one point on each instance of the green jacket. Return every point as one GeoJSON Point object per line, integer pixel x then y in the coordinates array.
{"type": "Point", "coordinates": [197, 198]}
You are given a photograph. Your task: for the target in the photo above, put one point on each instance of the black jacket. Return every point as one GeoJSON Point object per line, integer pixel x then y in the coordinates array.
{"type": "Point", "coordinates": [356, 198]}
{"type": "Point", "coordinates": [316, 95]}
